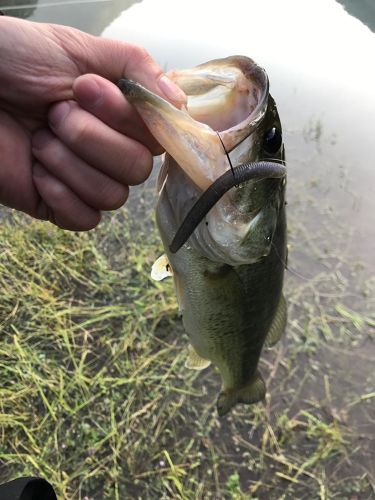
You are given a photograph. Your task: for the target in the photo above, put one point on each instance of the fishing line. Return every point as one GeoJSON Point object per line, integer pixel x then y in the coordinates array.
{"type": "Point", "coordinates": [62, 3]}
{"type": "Point", "coordinates": [285, 264]}
{"type": "Point", "coordinates": [227, 155]}
{"type": "Point", "coordinates": [276, 160]}
{"type": "Point", "coordinates": [242, 173]}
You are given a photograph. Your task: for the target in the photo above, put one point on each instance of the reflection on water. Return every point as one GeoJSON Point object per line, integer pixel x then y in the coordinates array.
{"type": "Point", "coordinates": [362, 9]}
{"type": "Point", "coordinates": [91, 16]}
{"type": "Point", "coordinates": [18, 8]}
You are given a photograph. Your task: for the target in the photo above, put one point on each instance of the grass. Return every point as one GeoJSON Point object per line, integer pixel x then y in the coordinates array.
{"type": "Point", "coordinates": [95, 397]}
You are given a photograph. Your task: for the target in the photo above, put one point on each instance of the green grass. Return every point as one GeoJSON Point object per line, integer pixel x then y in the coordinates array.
{"type": "Point", "coordinates": [95, 397]}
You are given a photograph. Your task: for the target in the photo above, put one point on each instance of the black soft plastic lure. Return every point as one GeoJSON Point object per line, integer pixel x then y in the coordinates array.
{"type": "Point", "coordinates": [234, 177]}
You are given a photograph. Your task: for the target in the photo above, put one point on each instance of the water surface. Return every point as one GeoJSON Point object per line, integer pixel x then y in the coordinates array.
{"type": "Point", "coordinates": [320, 63]}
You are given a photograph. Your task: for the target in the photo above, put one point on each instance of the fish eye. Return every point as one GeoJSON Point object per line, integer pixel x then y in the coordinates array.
{"type": "Point", "coordinates": [272, 140]}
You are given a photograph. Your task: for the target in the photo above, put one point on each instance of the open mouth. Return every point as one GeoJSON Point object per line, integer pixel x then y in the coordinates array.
{"type": "Point", "coordinates": [224, 93]}
{"type": "Point", "coordinates": [229, 96]}
{"type": "Point", "coordinates": [227, 109]}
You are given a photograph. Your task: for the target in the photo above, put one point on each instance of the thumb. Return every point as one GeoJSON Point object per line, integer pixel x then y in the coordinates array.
{"type": "Point", "coordinates": [114, 59]}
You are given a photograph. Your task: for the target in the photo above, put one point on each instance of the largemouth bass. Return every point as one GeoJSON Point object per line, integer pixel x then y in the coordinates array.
{"type": "Point", "coordinates": [223, 227]}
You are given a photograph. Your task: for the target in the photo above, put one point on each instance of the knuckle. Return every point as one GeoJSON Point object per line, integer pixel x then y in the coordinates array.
{"type": "Point", "coordinates": [55, 154]}
{"type": "Point", "coordinates": [140, 55]}
{"type": "Point", "coordinates": [79, 132]}
{"type": "Point", "coordinates": [47, 148]}
{"type": "Point", "coordinates": [76, 127]}
{"type": "Point", "coordinates": [58, 194]}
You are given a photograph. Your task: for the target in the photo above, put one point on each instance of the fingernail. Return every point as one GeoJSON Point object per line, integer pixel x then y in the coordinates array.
{"type": "Point", "coordinates": [58, 113]}
{"type": "Point", "coordinates": [171, 90]}
{"type": "Point", "coordinates": [40, 139]}
{"type": "Point", "coordinates": [39, 171]}
{"type": "Point", "coordinates": [89, 93]}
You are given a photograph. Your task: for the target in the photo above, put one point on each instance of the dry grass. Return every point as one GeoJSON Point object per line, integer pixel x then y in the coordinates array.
{"type": "Point", "coordinates": [94, 395]}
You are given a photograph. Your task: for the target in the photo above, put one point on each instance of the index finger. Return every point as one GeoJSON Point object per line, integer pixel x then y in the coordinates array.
{"type": "Point", "coordinates": [114, 59]}
{"type": "Point", "coordinates": [104, 100]}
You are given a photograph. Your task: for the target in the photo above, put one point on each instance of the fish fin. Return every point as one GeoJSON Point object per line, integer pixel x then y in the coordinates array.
{"type": "Point", "coordinates": [179, 292]}
{"type": "Point", "coordinates": [161, 268]}
{"type": "Point", "coordinates": [278, 324]}
{"type": "Point", "coordinates": [251, 393]}
{"type": "Point", "coordinates": [194, 361]}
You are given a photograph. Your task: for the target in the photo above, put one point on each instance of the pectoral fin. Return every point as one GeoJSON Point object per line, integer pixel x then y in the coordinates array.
{"type": "Point", "coordinates": [161, 268]}
{"type": "Point", "coordinates": [278, 324]}
{"type": "Point", "coordinates": [251, 393]}
{"type": "Point", "coordinates": [196, 362]}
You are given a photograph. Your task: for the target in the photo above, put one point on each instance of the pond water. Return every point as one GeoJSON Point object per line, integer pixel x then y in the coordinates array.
{"type": "Point", "coordinates": [319, 56]}
{"type": "Point", "coordinates": [319, 59]}
{"type": "Point", "coordinates": [322, 75]}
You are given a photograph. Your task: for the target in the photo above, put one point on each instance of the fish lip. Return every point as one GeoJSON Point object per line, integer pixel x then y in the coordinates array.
{"type": "Point", "coordinates": [244, 129]}
{"type": "Point", "coordinates": [203, 174]}
{"type": "Point", "coordinates": [147, 103]}
{"type": "Point", "coordinates": [259, 112]}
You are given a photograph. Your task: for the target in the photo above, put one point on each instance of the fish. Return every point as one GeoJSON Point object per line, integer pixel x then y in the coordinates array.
{"type": "Point", "coordinates": [221, 215]}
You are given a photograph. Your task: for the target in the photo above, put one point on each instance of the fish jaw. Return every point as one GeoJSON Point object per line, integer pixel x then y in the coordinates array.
{"type": "Point", "coordinates": [231, 97]}
{"type": "Point", "coordinates": [195, 146]}
{"type": "Point", "coordinates": [225, 95]}
{"type": "Point", "coordinates": [228, 94]}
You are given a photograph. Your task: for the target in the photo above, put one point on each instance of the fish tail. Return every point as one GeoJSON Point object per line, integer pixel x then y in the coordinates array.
{"type": "Point", "coordinates": [251, 393]}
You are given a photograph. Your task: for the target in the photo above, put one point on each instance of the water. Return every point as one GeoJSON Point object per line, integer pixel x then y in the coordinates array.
{"type": "Point", "coordinates": [322, 75]}
{"type": "Point", "coordinates": [320, 60]}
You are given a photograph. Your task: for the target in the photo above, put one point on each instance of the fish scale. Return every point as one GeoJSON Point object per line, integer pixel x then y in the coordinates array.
{"type": "Point", "coordinates": [229, 272]}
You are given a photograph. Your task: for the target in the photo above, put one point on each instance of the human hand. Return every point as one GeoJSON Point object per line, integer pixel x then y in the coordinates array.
{"type": "Point", "coordinates": [70, 144]}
